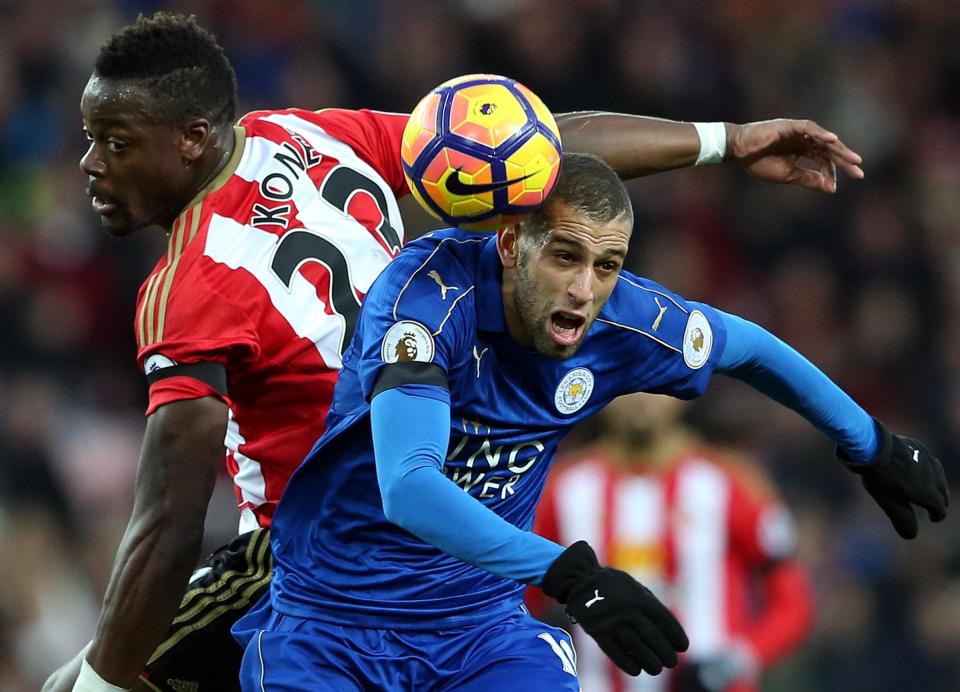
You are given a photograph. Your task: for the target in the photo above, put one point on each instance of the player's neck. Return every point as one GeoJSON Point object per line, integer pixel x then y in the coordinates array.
{"type": "Point", "coordinates": [214, 159]}
{"type": "Point", "coordinates": [514, 324]}
{"type": "Point", "coordinates": [207, 167]}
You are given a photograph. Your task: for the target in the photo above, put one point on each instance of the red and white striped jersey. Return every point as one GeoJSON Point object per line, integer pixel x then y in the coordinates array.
{"type": "Point", "coordinates": [700, 535]}
{"type": "Point", "coordinates": [264, 275]}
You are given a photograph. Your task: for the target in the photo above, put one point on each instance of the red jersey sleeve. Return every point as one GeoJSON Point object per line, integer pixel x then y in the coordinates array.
{"type": "Point", "coordinates": [763, 535]}
{"type": "Point", "coordinates": [786, 617]}
{"type": "Point", "coordinates": [761, 526]}
{"type": "Point", "coordinates": [194, 323]}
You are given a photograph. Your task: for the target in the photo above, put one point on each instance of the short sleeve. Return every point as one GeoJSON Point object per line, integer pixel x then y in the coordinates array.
{"type": "Point", "coordinates": [418, 311]}
{"type": "Point", "coordinates": [195, 325]}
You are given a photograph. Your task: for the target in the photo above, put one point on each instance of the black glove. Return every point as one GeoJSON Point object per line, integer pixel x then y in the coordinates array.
{"type": "Point", "coordinates": [904, 472]}
{"type": "Point", "coordinates": [628, 622]}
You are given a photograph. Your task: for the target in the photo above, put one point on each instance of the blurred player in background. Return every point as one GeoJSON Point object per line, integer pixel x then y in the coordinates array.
{"type": "Point", "coordinates": [403, 541]}
{"type": "Point", "coordinates": [698, 525]}
{"type": "Point", "coordinates": [277, 227]}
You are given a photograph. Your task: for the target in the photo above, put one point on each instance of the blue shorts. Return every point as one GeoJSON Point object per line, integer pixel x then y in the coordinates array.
{"type": "Point", "coordinates": [518, 653]}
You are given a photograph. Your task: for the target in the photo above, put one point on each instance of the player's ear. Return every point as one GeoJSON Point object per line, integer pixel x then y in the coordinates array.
{"type": "Point", "coordinates": [508, 245]}
{"type": "Point", "coordinates": [194, 138]}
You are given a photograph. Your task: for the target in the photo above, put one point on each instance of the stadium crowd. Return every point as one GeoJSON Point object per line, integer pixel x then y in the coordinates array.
{"type": "Point", "coordinates": [865, 282]}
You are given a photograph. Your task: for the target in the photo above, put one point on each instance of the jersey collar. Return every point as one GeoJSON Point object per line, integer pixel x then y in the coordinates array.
{"type": "Point", "coordinates": [490, 317]}
{"type": "Point", "coordinates": [221, 178]}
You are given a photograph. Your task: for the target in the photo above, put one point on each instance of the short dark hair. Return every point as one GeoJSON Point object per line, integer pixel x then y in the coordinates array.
{"type": "Point", "coordinates": [588, 185]}
{"type": "Point", "coordinates": [179, 63]}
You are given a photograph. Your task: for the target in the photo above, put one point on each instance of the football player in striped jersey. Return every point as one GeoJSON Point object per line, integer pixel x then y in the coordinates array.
{"type": "Point", "coordinates": [714, 541]}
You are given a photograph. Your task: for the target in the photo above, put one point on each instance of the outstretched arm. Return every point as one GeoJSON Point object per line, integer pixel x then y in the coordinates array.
{"type": "Point", "coordinates": [897, 471]}
{"type": "Point", "coordinates": [182, 449]}
{"type": "Point", "coordinates": [784, 150]}
{"type": "Point", "coordinates": [757, 357]}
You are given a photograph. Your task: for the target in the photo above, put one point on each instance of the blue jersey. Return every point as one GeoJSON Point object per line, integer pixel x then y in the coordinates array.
{"type": "Point", "coordinates": [337, 557]}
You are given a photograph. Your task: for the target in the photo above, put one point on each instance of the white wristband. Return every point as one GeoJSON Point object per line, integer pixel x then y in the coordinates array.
{"type": "Point", "coordinates": [90, 681]}
{"type": "Point", "coordinates": [713, 142]}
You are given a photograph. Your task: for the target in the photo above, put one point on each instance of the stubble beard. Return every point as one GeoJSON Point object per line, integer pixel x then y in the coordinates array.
{"type": "Point", "coordinates": [532, 316]}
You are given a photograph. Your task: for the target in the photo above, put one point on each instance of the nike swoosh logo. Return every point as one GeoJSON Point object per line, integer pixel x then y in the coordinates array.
{"type": "Point", "coordinates": [455, 186]}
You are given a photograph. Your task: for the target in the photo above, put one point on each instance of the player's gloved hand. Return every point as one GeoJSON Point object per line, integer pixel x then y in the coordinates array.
{"type": "Point", "coordinates": [628, 622]}
{"type": "Point", "coordinates": [903, 474]}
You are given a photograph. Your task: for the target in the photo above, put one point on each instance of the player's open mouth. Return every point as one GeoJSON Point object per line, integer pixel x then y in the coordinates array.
{"type": "Point", "coordinates": [104, 205]}
{"type": "Point", "coordinates": [566, 328]}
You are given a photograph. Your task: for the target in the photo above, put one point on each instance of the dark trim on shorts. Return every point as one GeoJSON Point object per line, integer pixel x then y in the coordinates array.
{"type": "Point", "coordinates": [234, 589]}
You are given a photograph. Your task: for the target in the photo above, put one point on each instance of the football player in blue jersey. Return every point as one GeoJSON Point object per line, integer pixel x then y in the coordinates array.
{"type": "Point", "coordinates": [403, 544]}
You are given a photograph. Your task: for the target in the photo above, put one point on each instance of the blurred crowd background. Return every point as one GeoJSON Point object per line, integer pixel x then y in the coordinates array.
{"type": "Point", "coordinates": [865, 282]}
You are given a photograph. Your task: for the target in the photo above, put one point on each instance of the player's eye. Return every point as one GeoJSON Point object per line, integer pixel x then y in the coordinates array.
{"type": "Point", "coordinates": [115, 145]}
{"type": "Point", "coordinates": [86, 135]}
{"type": "Point", "coordinates": [609, 266]}
{"type": "Point", "coordinates": [564, 257]}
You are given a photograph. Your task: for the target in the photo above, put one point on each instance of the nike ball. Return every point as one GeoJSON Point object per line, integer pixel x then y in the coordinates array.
{"type": "Point", "coordinates": [480, 152]}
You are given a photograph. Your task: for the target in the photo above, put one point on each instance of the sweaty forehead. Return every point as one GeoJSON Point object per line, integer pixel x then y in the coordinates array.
{"type": "Point", "coordinates": [117, 101]}
{"type": "Point", "coordinates": [601, 238]}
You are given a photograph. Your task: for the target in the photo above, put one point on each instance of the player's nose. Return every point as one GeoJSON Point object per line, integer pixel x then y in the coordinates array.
{"type": "Point", "coordinates": [91, 164]}
{"type": "Point", "coordinates": [580, 288]}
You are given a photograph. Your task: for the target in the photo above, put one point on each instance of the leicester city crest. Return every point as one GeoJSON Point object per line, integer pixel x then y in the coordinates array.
{"type": "Point", "coordinates": [574, 390]}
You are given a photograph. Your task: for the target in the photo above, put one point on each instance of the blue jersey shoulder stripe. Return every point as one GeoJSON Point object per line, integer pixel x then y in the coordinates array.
{"type": "Point", "coordinates": [644, 307]}
{"type": "Point", "coordinates": [639, 331]}
{"type": "Point", "coordinates": [450, 311]}
{"type": "Point", "coordinates": [652, 290]}
{"type": "Point", "coordinates": [425, 262]}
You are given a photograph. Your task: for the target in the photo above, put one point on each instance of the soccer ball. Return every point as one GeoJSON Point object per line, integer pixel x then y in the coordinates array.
{"type": "Point", "coordinates": [481, 151]}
